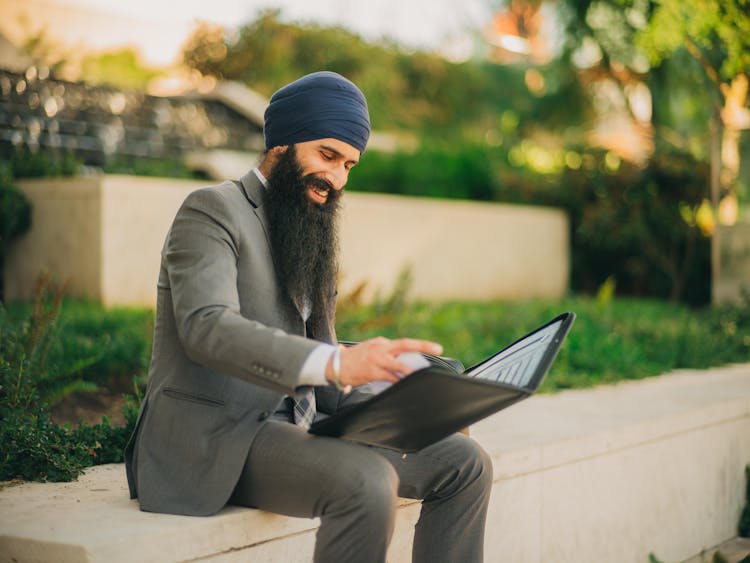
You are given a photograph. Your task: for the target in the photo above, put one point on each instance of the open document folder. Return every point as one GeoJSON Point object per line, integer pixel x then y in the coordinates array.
{"type": "Point", "coordinates": [438, 400]}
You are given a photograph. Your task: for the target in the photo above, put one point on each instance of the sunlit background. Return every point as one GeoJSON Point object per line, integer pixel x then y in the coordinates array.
{"type": "Point", "coordinates": [158, 29]}
{"type": "Point", "coordinates": [629, 116]}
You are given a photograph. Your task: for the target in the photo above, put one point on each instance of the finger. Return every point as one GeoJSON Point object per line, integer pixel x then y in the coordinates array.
{"type": "Point", "coordinates": [415, 345]}
{"type": "Point", "coordinates": [383, 374]}
{"type": "Point", "coordinates": [393, 365]}
{"type": "Point", "coordinates": [373, 347]}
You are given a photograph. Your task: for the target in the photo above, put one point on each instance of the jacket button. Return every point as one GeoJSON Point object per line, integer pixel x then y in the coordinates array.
{"type": "Point", "coordinates": [264, 415]}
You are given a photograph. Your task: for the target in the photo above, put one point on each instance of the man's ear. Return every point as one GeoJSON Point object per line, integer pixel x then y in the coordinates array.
{"type": "Point", "coordinates": [271, 158]}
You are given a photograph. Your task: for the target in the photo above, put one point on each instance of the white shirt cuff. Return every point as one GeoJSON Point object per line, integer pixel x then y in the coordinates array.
{"type": "Point", "coordinates": [314, 369]}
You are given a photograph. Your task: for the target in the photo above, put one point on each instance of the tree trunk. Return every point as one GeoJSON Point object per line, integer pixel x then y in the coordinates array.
{"type": "Point", "coordinates": [734, 118]}
{"type": "Point", "coordinates": [715, 163]}
{"type": "Point", "coordinates": [725, 166]}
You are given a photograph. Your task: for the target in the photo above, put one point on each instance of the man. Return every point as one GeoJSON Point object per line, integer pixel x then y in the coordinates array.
{"type": "Point", "coordinates": [244, 357]}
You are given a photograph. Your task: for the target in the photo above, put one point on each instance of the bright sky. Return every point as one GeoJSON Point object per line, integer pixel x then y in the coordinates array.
{"type": "Point", "coordinates": [416, 23]}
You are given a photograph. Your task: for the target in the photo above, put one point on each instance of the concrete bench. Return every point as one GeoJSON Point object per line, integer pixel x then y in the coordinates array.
{"type": "Point", "coordinates": [605, 474]}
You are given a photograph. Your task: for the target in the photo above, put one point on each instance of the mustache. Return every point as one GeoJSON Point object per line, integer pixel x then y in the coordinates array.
{"type": "Point", "coordinates": [317, 182]}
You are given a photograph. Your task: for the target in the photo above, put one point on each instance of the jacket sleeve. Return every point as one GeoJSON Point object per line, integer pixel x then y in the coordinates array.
{"type": "Point", "coordinates": [201, 259]}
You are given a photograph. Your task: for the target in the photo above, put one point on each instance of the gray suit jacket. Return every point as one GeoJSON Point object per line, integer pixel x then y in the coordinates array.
{"type": "Point", "coordinates": [229, 344]}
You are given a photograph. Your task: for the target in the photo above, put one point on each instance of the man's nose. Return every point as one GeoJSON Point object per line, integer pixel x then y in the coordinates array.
{"type": "Point", "coordinates": [338, 177]}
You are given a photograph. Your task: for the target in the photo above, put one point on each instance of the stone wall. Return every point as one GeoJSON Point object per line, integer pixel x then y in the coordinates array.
{"type": "Point", "coordinates": [734, 280]}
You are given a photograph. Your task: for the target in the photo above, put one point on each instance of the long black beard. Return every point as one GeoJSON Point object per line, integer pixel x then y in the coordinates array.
{"type": "Point", "coordinates": [304, 237]}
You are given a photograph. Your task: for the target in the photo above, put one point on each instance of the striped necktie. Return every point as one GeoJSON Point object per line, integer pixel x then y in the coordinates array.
{"type": "Point", "coordinates": [304, 398]}
{"type": "Point", "coordinates": [304, 407]}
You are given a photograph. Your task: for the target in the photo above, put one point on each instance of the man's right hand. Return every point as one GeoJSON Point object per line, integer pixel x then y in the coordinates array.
{"type": "Point", "coordinates": [376, 360]}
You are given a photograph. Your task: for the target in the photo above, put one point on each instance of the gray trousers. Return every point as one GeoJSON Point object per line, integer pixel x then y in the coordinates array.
{"type": "Point", "coordinates": [353, 489]}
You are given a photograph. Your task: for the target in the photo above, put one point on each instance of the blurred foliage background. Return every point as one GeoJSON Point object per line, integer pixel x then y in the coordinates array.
{"type": "Point", "coordinates": [629, 114]}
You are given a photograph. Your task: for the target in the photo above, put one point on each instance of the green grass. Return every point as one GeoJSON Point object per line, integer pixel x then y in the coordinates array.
{"type": "Point", "coordinates": [611, 340]}
{"type": "Point", "coordinates": [57, 347]}
{"type": "Point", "coordinates": [620, 339]}
{"type": "Point", "coordinates": [91, 344]}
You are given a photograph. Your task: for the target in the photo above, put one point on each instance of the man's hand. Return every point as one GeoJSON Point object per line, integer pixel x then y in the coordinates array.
{"type": "Point", "coordinates": [376, 360]}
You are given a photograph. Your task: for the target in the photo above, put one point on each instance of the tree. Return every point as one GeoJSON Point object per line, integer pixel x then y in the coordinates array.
{"type": "Point", "coordinates": [121, 68]}
{"type": "Point", "coordinates": [717, 34]}
{"type": "Point", "coordinates": [419, 92]}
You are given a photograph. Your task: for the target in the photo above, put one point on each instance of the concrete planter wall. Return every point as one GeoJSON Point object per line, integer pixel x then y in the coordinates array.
{"type": "Point", "coordinates": [104, 234]}
{"type": "Point", "coordinates": [735, 264]}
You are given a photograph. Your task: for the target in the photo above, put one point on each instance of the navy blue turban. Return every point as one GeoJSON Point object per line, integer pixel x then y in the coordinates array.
{"type": "Point", "coordinates": [318, 106]}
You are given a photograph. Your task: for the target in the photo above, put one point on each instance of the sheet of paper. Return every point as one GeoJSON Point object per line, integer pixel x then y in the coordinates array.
{"type": "Point", "coordinates": [414, 360]}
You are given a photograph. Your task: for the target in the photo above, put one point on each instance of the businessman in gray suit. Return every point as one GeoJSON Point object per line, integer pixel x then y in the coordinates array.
{"type": "Point", "coordinates": [245, 357]}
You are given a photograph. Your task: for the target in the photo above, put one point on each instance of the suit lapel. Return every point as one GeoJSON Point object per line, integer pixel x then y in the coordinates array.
{"type": "Point", "coordinates": [255, 194]}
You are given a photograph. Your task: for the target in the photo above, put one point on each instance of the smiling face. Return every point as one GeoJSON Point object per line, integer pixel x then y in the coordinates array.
{"type": "Point", "coordinates": [326, 162]}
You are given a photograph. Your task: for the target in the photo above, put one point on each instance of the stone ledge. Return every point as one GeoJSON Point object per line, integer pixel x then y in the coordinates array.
{"type": "Point", "coordinates": [93, 519]}
{"type": "Point", "coordinates": [605, 474]}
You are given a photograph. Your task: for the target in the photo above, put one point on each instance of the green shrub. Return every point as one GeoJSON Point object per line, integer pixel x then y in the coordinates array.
{"type": "Point", "coordinates": [34, 447]}
{"type": "Point", "coordinates": [464, 172]}
{"type": "Point", "coordinates": [635, 225]}
{"type": "Point", "coordinates": [24, 162]}
{"type": "Point", "coordinates": [631, 225]}
{"type": "Point", "coordinates": [167, 167]}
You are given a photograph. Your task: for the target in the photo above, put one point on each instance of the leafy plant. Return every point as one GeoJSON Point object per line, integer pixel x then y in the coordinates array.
{"type": "Point", "coordinates": [168, 167]}
{"type": "Point", "coordinates": [33, 446]}
{"type": "Point", "coordinates": [27, 344]}
{"type": "Point", "coordinates": [634, 224]}
{"type": "Point", "coordinates": [23, 162]}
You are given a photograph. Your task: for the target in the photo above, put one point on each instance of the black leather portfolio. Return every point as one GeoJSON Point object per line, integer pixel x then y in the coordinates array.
{"type": "Point", "coordinates": [438, 400]}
